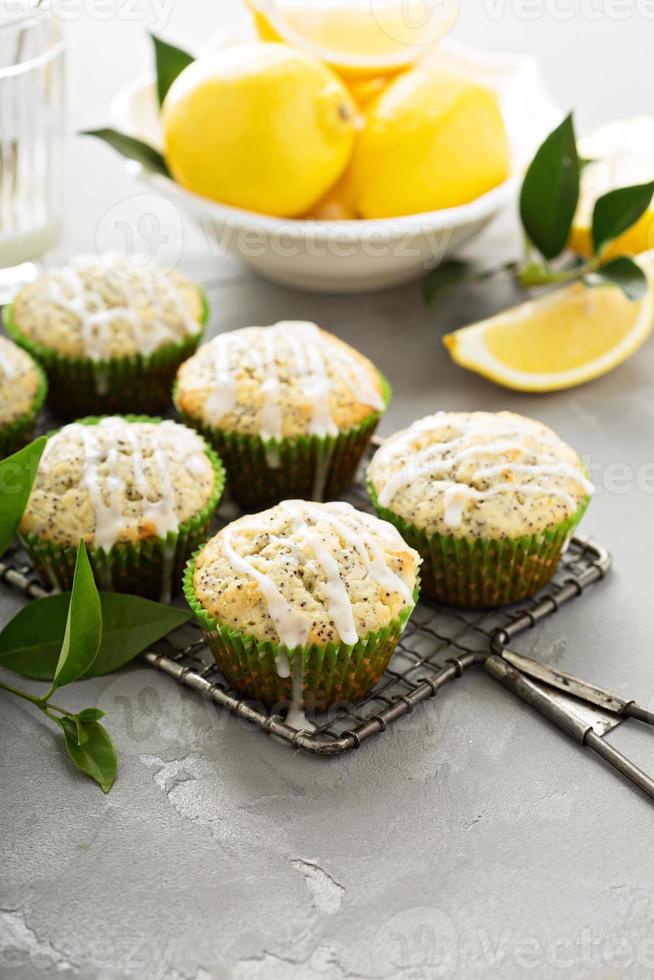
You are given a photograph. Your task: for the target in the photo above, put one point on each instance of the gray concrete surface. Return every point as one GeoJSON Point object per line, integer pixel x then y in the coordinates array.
{"type": "Point", "coordinates": [472, 841]}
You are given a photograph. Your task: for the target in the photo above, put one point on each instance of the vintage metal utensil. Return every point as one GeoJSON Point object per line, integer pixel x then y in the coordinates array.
{"type": "Point", "coordinates": [583, 711]}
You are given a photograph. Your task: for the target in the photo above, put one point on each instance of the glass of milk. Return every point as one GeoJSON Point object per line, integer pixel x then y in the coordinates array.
{"type": "Point", "coordinates": [31, 138]}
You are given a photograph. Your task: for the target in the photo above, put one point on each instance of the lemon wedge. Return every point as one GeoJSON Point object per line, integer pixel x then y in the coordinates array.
{"type": "Point", "coordinates": [623, 154]}
{"type": "Point", "coordinates": [561, 339]}
{"type": "Point", "coordinates": [358, 38]}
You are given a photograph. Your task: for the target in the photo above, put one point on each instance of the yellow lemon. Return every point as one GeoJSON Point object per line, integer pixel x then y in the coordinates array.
{"type": "Point", "coordinates": [364, 90]}
{"type": "Point", "coordinates": [431, 140]}
{"type": "Point", "coordinates": [334, 206]}
{"type": "Point", "coordinates": [562, 339]}
{"type": "Point", "coordinates": [259, 126]}
{"type": "Point", "coordinates": [358, 38]}
{"type": "Point", "coordinates": [622, 153]}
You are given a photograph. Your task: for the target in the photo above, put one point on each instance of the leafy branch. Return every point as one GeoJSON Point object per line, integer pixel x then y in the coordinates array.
{"type": "Point", "coordinates": [88, 743]}
{"type": "Point", "coordinates": [548, 202]}
{"type": "Point", "coordinates": [63, 638]}
{"type": "Point", "coordinates": [169, 62]}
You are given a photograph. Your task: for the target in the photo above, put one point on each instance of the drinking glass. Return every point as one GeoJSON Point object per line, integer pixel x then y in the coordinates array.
{"type": "Point", "coordinates": [31, 139]}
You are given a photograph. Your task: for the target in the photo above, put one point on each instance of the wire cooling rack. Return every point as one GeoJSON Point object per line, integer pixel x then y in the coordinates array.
{"type": "Point", "coordinates": [438, 645]}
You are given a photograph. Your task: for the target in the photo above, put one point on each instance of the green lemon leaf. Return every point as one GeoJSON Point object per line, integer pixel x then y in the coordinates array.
{"type": "Point", "coordinates": [617, 211]}
{"type": "Point", "coordinates": [169, 62]}
{"type": "Point", "coordinates": [90, 714]}
{"type": "Point", "coordinates": [31, 642]}
{"type": "Point", "coordinates": [622, 272]}
{"type": "Point", "coordinates": [17, 474]}
{"type": "Point", "coordinates": [80, 734]}
{"type": "Point", "coordinates": [550, 191]}
{"type": "Point", "coordinates": [96, 756]}
{"type": "Point", "coordinates": [132, 148]}
{"type": "Point", "coordinates": [83, 631]}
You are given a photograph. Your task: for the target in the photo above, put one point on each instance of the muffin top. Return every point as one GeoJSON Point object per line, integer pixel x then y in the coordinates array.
{"type": "Point", "coordinates": [19, 382]}
{"type": "Point", "coordinates": [304, 573]}
{"type": "Point", "coordinates": [291, 379]}
{"type": "Point", "coordinates": [479, 475]}
{"type": "Point", "coordinates": [109, 306]}
{"type": "Point", "coordinates": [118, 481]}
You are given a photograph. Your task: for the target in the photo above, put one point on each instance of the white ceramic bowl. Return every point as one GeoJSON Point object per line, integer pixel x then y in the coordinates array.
{"type": "Point", "coordinates": [355, 256]}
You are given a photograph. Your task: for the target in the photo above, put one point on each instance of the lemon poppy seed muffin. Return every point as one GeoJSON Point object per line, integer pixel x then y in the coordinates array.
{"type": "Point", "coordinates": [290, 408]}
{"type": "Point", "coordinates": [110, 331]}
{"type": "Point", "coordinates": [489, 499]}
{"type": "Point", "coordinates": [22, 392]}
{"type": "Point", "coordinates": [141, 493]}
{"type": "Point", "coordinates": [304, 602]}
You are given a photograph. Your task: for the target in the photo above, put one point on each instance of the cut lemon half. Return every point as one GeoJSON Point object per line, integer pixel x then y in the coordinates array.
{"type": "Point", "coordinates": [559, 340]}
{"type": "Point", "coordinates": [623, 154]}
{"type": "Point", "coordinates": [358, 38]}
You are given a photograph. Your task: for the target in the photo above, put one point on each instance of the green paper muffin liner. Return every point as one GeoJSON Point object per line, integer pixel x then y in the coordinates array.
{"type": "Point", "coordinates": [18, 433]}
{"type": "Point", "coordinates": [336, 672]}
{"type": "Point", "coordinates": [152, 568]}
{"type": "Point", "coordinates": [482, 573]}
{"type": "Point", "coordinates": [309, 467]}
{"type": "Point", "coordinates": [80, 386]}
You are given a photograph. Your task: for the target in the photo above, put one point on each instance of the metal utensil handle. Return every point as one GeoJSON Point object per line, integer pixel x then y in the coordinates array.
{"type": "Point", "coordinates": [577, 687]}
{"type": "Point", "coordinates": [536, 696]}
{"type": "Point", "coordinates": [620, 762]}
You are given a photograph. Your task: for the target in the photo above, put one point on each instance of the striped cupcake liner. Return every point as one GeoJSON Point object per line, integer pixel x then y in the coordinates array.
{"type": "Point", "coordinates": [484, 573]}
{"type": "Point", "coordinates": [81, 386]}
{"type": "Point", "coordinates": [335, 672]}
{"type": "Point", "coordinates": [18, 433]}
{"type": "Point", "coordinates": [260, 473]}
{"type": "Point", "coordinates": [152, 568]}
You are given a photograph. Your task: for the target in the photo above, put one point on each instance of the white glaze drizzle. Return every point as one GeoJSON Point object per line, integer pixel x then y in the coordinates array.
{"type": "Point", "coordinates": [338, 600]}
{"type": "Point", "coordinates": [292, 625]}
{"type": "Point", "coordinates": [109, 518]}
{"type": "Point", "coordinates": [312, 354]}
{"type": "Point", "coordinates": [296, 716]}
{"type": "Point", "coordinates": [456, 496]}
{"type": "Point", "coordinates": [271, 413]}
{"type": "Point", "coordinates": [283, 665]}
{"type": "Point", "coordinates": [305, 342]}
{"type": "Point", "coordinates": [8, 369]}
{"type": "Point", "coordinates": [95, 320]}
{"type": "Point", "coordinates": [160, 512]}
{"type": "Point", "coordinates": [222, 399]}
{"type": "Point", "coordinates": [360, 381]}
{"type": "Point", "coordinates": [323, 459]}
{"type": "Point", "coordinates": [196, 464]}
{"type": "Point", "coordinates": [364, 543]}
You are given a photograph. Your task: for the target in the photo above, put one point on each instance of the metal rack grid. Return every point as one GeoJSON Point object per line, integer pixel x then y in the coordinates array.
{"type": "Point", "coordinates": [438, 645]}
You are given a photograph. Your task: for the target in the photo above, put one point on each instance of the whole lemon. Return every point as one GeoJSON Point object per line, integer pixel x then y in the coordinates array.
{"type": "Point", "coordinates": [258, 126]}
{"type": "Point", "coordinates": [621, 153]}
{"type": "Point", "coordinates": [431, 140]}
